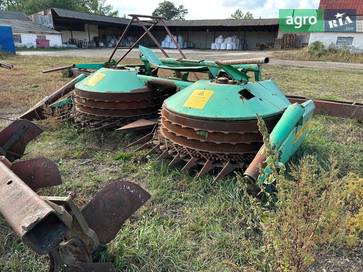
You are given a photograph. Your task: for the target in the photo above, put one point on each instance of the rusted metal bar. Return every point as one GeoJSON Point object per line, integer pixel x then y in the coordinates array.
{"type": "Point", "coordinates": [36, 112]}
{"type": "Point", "coordinates": [29, 216]}
{"type": "Point", "coordinates": [58, 69]}
{"type": "Point", "coordinates": [135, 43]}
{"type": "Point", "coordinates": [176, 43]}
{"type": "Point", "coordinates": [120, 40]}
{"type": "Point", "coordinates": [172, 37]}
{"type": "Point", "coordinates": [152, 37]}
{"type": "Point", "coordinates": [335, 108]}
{"type": "Point", "coordinates": [244, 61]}
{"type": "Point", "coordinates": [253, 170]}
{"type": "Point", "coordinates": [6, 65]}
{"type": "Point", "coordinates": [146, 16]}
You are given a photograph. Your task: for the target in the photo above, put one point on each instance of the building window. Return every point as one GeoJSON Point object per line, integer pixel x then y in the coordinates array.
{"type": "Point", "coordinates": [344, 41]}
{"type": "Point", "coordinates": [17, 38]}
{"type": "Point", "coordinates": [41, 37]}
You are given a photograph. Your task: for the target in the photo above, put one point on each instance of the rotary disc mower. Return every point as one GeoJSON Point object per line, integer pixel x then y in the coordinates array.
{"type": "Point", "coordinates": [211, 125]}
{"type": "Point", "coordinates": [107, 95]}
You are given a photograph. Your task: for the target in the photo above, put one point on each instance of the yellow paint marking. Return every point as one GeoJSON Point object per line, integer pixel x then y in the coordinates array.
{"type": "Point", "coordinates": [301, 131]}
{"type": "Point", "coordinates": [198, 99]}
{"type": "Point", "coordinates": [94, 79]}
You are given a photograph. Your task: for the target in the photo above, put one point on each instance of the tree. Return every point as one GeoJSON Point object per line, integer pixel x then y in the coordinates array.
{"type": "Point", "coordinates": [100, 7]}
{"type": "Point", "coordinates": [238, 14]}
{"type": "Point", "coordinates": [169, 11]}
{"type": "Point", "coordinates": [33, 6]}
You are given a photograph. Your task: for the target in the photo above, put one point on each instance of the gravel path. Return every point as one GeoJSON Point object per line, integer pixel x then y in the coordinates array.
{"type": "Point", "coordinates": [198, 54]}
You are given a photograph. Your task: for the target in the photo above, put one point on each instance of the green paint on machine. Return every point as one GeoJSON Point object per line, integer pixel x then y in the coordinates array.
{"type": "Point", "coordinates": [209, 100]}
{"type": "Point", "coordinates": [111, 81]}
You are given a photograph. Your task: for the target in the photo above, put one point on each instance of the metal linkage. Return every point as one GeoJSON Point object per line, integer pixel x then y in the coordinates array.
{"type": "Point", "coordinates": [55, 226]}
{"type": "Point", "coordinates": [151, 22]}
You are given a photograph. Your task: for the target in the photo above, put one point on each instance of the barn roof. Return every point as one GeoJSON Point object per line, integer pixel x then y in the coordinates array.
{"type": "Point", "coordinates": [70, 14]}
{"type": "Point", "coordinates": [20, 26]}
{"type": "Point", "coordinates": [346, 4]}
{"type": "Point", "coordinates": [224, 22]}
{"type": "Point", "coordinates": [14, 15]}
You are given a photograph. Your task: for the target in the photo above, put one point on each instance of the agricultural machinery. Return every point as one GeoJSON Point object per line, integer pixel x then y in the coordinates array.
{"type": "Point", "coordinates": [208, 124]}
{"type": "Point", "coordinates": [53, 225]}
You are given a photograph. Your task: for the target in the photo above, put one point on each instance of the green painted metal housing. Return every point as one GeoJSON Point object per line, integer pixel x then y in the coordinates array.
{"type": "Point", "coordinates": [228, 101]}
{"type": "Point", "coordinates": [107, 80]}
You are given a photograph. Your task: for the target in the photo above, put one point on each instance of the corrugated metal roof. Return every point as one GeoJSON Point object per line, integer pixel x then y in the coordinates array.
{"type": "Point", "coordinates": [343, 4]}
{"type": "Point", "coordinates": [15, 15]}
{"type": "Point", "coordinates": [70, 14]}
{"type": "Point", "coordinates": [64, 13]}
{"type": "Point", "coordinates": [224, 22]}
{"type": "Point", "coordinates": [20, 26]}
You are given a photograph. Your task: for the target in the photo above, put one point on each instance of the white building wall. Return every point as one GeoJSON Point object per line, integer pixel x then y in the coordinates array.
{"type": "Point", "coordinates": [55, 40]}
{"type": "Point", "coordinates": [329, 38]}
{"type": "Point", "coordinates": [27, 40]}
{"type": "Point", "coordinates": [30, 39]}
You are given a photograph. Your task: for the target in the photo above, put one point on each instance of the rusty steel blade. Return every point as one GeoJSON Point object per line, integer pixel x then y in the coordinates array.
{"type": "Point", "coordinates": [141, 124]}
{"type": "Point", "coordinates": [15, 137]}
{"type": "Point", "coordinates": [111, 206]}
{"type": "Point", "coordinates": [37, 173]}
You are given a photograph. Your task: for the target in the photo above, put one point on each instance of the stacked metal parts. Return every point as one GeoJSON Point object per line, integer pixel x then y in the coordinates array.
{"type": "Point", "coordinates": [213, 125]}
{"type": "Point", "coordinates": [110, 97]}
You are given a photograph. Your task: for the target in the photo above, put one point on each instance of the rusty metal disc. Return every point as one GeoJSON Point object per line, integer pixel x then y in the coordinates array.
{"type": "Point", "coordinates": [111, 206]}
{"type": "Point", "coordinates": [15, 137]}
{"type": "Point", "coordinates": [108, 110]}
{"type": "Point", "coordinates": [37, 173]}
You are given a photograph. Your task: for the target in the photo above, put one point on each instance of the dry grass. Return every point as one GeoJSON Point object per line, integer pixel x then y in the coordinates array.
{"type": "Point", "coordinates": [188, 224]}
{"type": "Point", "coordinates": [303, 54]}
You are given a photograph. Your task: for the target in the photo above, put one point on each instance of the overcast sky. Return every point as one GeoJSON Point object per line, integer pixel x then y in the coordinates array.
{"type": "Point", "coordinates": [215, 9]}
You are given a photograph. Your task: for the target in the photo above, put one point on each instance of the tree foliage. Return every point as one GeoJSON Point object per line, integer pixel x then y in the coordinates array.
{"type": "Point", "coordinates": [169, 11]}
{"type": "Point", "coordinates": [238, 14]}
{"type": "Point", "coordinates": [33, 6]}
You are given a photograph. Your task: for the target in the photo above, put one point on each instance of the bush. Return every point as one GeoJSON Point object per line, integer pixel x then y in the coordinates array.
{"type": "Point", "coordinates": [313, 208]}
{"type": "Point", "coordinates": [316, 49]}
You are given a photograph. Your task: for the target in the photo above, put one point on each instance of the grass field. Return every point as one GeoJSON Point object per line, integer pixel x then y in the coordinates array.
{"type": "Point", "coordinates": [194, 224]}
{"type": "Point", "coordinates": [303, 54]}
